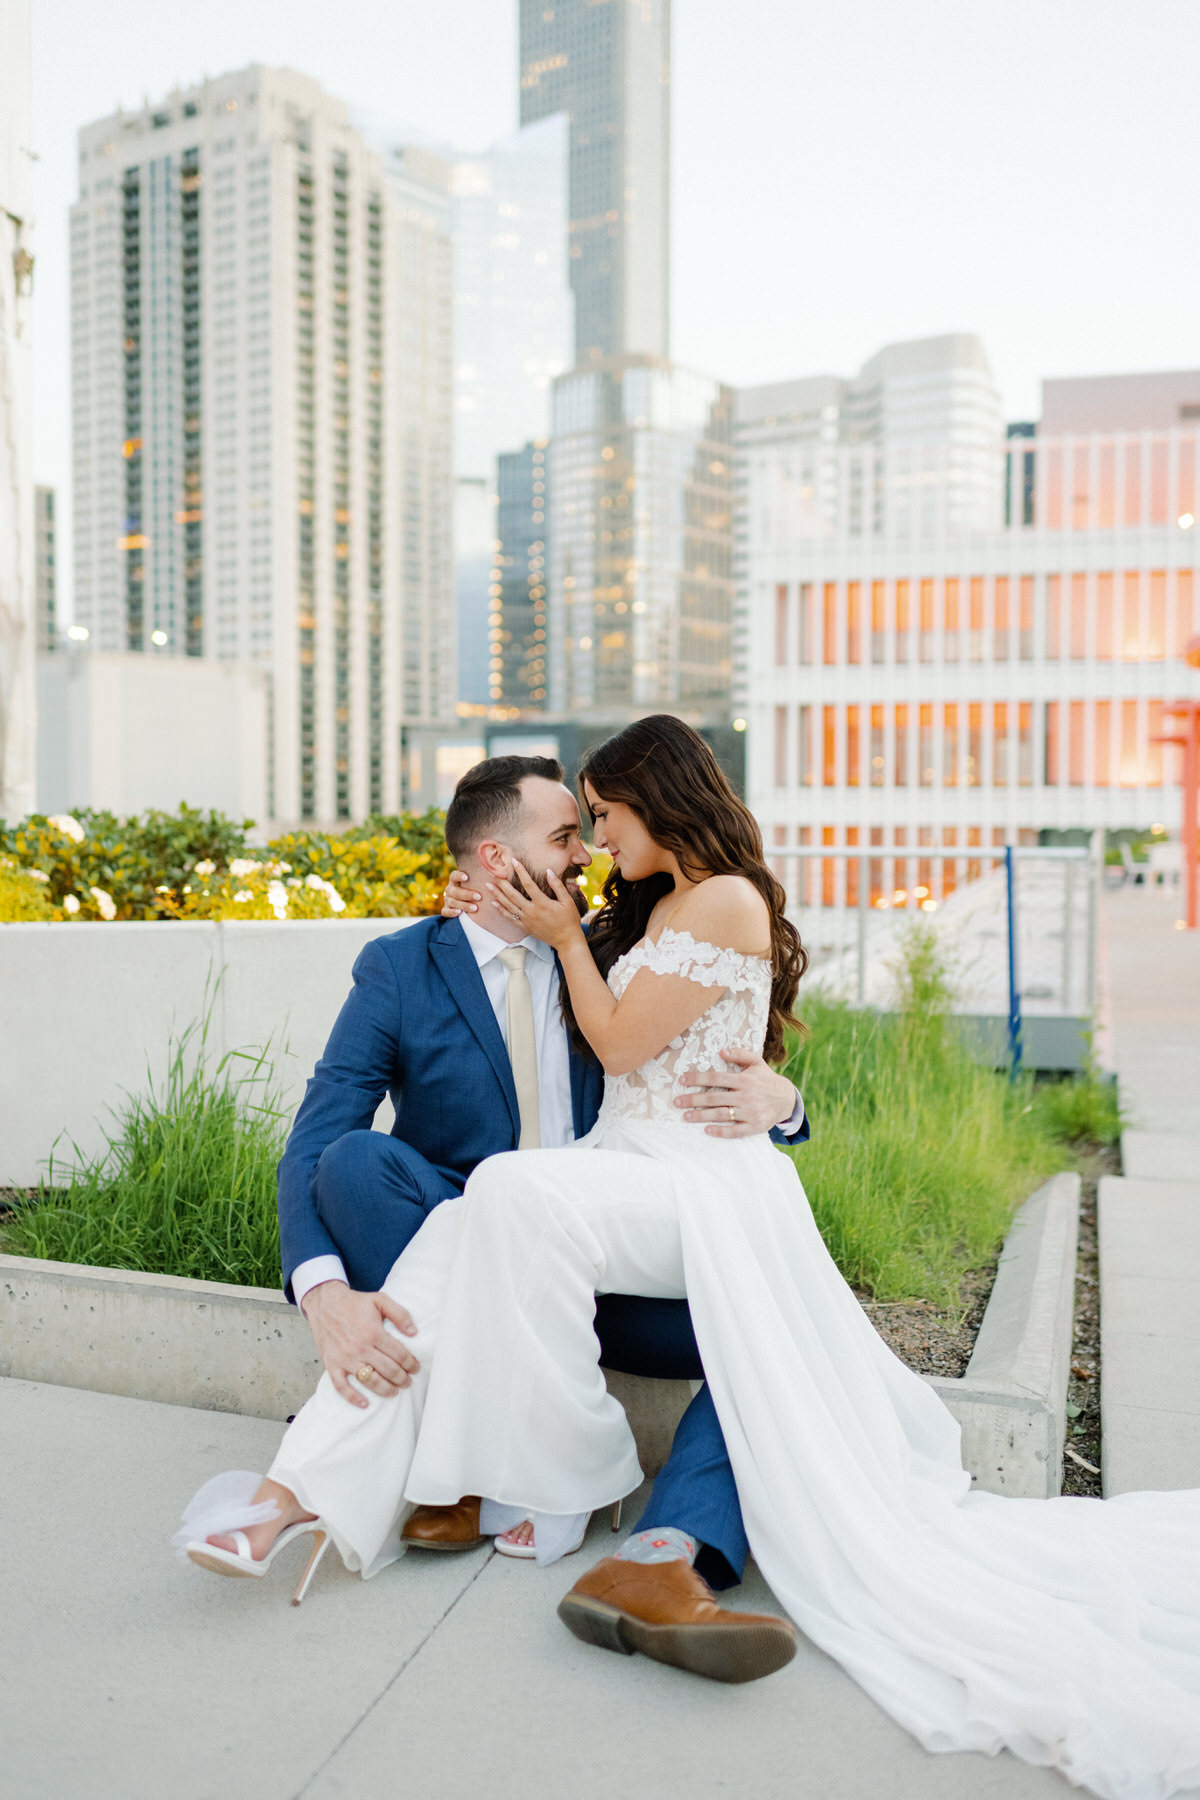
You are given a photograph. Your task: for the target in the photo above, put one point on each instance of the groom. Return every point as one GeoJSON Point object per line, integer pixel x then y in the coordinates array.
{"type": "Point", "coordinates": [432, 1018]}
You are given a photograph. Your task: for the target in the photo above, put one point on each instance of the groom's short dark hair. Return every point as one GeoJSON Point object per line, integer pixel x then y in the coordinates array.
{"type": "Point", "coordinates": [487, 801]}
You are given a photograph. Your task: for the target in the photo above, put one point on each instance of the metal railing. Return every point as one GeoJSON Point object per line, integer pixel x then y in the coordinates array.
{"type": "Point", "coordinates": [1085, 860]}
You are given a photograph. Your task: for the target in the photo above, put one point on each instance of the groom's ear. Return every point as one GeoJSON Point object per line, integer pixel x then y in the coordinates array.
{"type": "Point", "coordinates": [494, 858]}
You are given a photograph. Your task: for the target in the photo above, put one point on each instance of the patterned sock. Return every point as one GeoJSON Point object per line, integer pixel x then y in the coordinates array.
{"type": "Point", "coordinates": [664, 1545]}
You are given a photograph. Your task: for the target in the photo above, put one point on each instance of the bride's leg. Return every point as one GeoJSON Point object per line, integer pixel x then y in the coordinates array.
{"type": "Point", "coordinates": [517, 1408]}
{"type": "Point", "coordinates": [347, 1464]}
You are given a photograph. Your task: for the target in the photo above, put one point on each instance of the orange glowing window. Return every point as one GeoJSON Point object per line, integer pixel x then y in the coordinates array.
{"type": "Point", "coordinates": [903, 623]}
{"type": "Point", "coordinates": [1104, 617]}
{"type": "Point", "coordinates": [878, 622]}
{"type": "Point", "coordinates": [828, 869]}
{"type": "Point", "coordinates": [1054, 630]}
{"type": "Point", "coordinates": [1025, 620]}
{"type": "Point", "coordinates": [1154, 752]}
{"type": "Point", "coordinates": [1053, 776]}
{"type": "Point", "coordinates": [831, 622]}
{"type": "Point", "coordinates": [952, 648]}
{"type": "Point", "coordinates": [1185, 618]}
{"type": "Point", "coordinates": [781, 746]}
{"type": "Point", "coordinates": [854, 632]}
{"type": "Point", "coordinates": [1001, 619]}
{"type": "Point", "coordinates": [806, 622]}
{"type": "Point", "coordinates": [1025, 744]}
{"type": "Point", "coordinates": [1079, 617]}
{"type": "Point", "coordinates": [781, 624]}
{"type": "Point", "coordinates": [975, 632]}
{"type": "Point", "coordinates": [1155, 646]}
{"type": "Point", "coordinates": [949, 744]}
{"type": "Point", "coordinates": [1001, 746]}
{"type": "Point", "coordinates": [1131, 617]}
{"type": "Point", "coordinates": [1081, 479]}
{"type": "Point", "coordinates": [1159, 472]}
{"type": "Point", "coordinates": [853, 868]}
{"type": "Point", "coordinates": [926, 773]}
{"type": "Point", "coordinates": [1128, 770]}
{"type": "Point", "coordinates": [877, 750]}
{"type": "Point", "coordinates": [1054, 489]}
{"type": "Point", "coordinates": [927, 622]}
{"type": "Point", "coordinates": [1106, 492]}
{"type": "Point", "coordinates": [853, 746]}
{"type": "Point", "coordinates": [974, 745]}
{"type": "Point", "coordinates": [1133, 484]}
{"type": "Point", "coordinates": [829, 767]}
{"type": "Point", "coordinates": [804, 756]}
{"type": "Point", "coordinates": [900, 747]}
{"type": "Point", "coordinates": [1076, 726]}
{"type": "Point", "coordinates": [1186, 498]}
{"type": "Point", "coordinates": [1102, 750]}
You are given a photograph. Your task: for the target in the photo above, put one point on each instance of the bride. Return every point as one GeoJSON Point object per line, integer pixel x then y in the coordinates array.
{"type": "Point", "coordinates": [1067, 1630]}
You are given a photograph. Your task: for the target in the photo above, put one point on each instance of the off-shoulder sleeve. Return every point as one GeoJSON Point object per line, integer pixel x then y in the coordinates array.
{"type": "Point", "coordinates": [709, 965]}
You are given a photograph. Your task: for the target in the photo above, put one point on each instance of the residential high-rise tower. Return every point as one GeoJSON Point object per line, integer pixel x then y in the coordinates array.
{"type": "Point", "coordinates": [16, 421]}
{"type": "Point", "coordinates": [261, 317]}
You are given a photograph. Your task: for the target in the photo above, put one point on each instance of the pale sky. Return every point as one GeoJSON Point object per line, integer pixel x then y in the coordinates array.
{"type": "Point", "coordinates": [846, 172]}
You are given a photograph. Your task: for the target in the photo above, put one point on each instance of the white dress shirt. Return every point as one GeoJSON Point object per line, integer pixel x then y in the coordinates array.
{"type": "Point", "coordinates": [555, 1113]}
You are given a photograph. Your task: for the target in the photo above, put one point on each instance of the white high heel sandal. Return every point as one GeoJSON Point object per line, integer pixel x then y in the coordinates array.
{"type": "Point", "coordinates": [528, 1552]}
{"type": "Point", "coordinates": [222, 1508]}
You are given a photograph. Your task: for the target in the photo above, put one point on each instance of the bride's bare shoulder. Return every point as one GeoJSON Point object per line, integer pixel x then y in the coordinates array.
{"type": "Point", "coordinates": [727, 910]}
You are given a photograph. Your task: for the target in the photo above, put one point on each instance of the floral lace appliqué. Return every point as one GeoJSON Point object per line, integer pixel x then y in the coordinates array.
{"type": "Point", "coordinates": [737, 1019]}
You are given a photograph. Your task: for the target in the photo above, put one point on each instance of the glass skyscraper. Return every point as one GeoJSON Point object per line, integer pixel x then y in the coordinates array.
{"type": "Point", "coordinates": [607, 66]}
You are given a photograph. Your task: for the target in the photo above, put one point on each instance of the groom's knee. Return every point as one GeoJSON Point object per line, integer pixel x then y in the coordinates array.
{"type": "Point", "coordinates": [345, 1166]}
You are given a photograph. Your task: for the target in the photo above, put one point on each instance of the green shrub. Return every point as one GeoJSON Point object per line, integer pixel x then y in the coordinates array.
{"type": "Point", "coordinates": [1082, 1109]}
{"type": "Point", "coordinates": [24, 898]}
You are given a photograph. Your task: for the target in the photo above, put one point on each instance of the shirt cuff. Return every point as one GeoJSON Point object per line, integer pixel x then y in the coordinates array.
{"type": "Point", "coordinates": [310, 1274]}
{"type": "Point", "coordinates": [789, 1128]}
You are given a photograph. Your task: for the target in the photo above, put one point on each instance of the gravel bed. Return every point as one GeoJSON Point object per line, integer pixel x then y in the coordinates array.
{"type": "Point", "coordinates": [934, 1340]}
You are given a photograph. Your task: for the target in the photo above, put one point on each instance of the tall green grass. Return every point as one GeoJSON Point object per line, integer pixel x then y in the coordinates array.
{"type": "Point", "coordinates": [185, 1185]}
{"type": "Point", "coordinates": [917, 1161]}
{"type": "Point", "coordinates": [919, 1155]}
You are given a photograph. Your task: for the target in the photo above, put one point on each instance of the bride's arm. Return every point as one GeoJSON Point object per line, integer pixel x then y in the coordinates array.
{"type": "Point", "coordinates": [654, 1009]}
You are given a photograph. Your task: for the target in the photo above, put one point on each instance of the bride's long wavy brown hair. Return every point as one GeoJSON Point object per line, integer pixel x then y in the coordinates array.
{"type": "Point", "coordinates": [670, 778]}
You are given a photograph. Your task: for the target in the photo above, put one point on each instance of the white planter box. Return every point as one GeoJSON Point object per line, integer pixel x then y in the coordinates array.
{"type": "Point", "coordinates": [87, 1012]}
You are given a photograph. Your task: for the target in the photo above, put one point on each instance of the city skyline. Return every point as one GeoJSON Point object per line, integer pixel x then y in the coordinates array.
{"type": "Point", "coordinates": [799, 181]}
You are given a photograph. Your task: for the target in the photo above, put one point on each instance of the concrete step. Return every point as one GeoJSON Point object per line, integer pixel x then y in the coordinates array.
{"type": "Point", "coordinates": [1150, 1333]}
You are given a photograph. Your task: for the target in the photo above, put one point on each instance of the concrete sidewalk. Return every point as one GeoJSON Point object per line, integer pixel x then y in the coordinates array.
{"type": "Point", "coordinates": [1149, 1217]}
{"type": "Point", "coordinates": [131, 1676]}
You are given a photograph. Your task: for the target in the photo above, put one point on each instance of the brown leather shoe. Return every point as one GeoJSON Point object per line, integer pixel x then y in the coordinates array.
{"type": "Point", "coordinates": [445, 1527]}
{"type": "Point", "coordinates": [667, 1611]}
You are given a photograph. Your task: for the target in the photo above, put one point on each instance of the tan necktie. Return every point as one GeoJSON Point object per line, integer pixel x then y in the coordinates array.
{"type": "Point", "coordinates": [522, 1044]}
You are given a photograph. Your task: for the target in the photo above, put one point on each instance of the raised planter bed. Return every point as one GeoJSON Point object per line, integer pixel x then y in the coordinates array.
{"type": "Point", "coordinates": [246, 1350]}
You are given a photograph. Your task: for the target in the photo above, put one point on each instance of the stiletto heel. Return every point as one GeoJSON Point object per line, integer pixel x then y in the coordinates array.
{"type": "Point", "coordinates": [320, 1545]}
{"type": "Point", "coordinates": [616, 1515]}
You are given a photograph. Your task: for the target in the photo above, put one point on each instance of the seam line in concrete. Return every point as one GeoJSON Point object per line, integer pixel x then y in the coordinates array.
{"type": "Point", "coordinates": [386, 1690]}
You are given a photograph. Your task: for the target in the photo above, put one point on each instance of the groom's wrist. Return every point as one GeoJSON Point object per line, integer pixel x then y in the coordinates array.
{"type": "Point", "coordinates": [317, 1272]}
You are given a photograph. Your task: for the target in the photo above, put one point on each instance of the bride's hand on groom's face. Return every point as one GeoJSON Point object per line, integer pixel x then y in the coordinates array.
{"type": "Point", "coordinates": [552, 918]}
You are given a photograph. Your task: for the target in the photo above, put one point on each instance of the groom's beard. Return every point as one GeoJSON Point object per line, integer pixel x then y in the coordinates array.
{"type": "Point", "coordinates": [542, 881]}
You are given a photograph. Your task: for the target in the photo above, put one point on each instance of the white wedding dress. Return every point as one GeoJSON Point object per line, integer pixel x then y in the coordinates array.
{"type": "Point", "coordinates": [1066, 1630]}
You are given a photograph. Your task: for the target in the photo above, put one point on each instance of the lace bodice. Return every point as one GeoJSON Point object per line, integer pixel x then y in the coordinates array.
{"type": "Point", "coordinates": [737, 1019]}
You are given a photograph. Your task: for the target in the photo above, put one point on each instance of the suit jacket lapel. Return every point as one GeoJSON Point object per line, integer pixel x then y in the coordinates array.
{"type": "Point", "coordinates": [578, 1063]}
{"type": "Point", "coordinates": [455, 963]}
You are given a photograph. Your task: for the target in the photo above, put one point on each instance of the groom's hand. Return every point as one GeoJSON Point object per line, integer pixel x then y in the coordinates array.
{"type": "Point", "coordinates": [743, 1100]}
{"type": "Point", "coordinates": [349, 1331]}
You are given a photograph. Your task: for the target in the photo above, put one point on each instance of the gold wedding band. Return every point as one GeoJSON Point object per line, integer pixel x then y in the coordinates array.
{"type": "Point", "coordinates": [363, 1373]}
{"type": "Point", "coordinates": [732, 1116]}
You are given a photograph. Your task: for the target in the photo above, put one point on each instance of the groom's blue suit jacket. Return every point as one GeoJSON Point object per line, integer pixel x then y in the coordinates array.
{"type": "Point", "coordinates": [417, 1025]}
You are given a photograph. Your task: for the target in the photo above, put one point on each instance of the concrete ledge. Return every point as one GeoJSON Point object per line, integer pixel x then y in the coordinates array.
{"type": "Point", "coordinates": [1011, 1403]}
{"type": "Point", "coordinates": [246, 1350]}
{"type": "Point", "coordinates": [208, 1344]}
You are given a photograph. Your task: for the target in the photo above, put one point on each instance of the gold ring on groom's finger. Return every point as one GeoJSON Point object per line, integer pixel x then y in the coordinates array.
{"type": "Point", "coordinates": [363, 1373]}
{"type": "Point", "coordinates": [732, 1116]}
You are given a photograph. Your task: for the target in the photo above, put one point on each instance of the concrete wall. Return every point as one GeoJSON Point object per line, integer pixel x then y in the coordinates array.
{"type": "Point", "coordinates": [87, 1012]}
{"type": "Point", "coordinates": [128, 731]}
